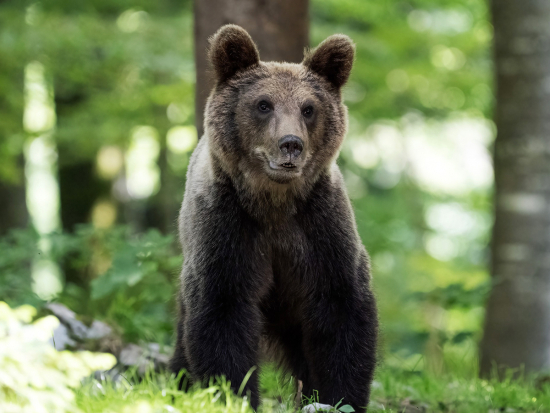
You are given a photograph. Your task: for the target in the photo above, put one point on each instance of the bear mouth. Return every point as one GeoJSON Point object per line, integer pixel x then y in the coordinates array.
{"type": "Point", "coordinates": [282, 173]}
{"type": "Point", "coordinates": [281, 166]}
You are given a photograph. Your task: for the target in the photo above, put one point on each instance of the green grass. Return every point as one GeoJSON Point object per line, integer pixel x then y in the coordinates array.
{"type": "Point", "coordinates": [400, 391]}
{"type": "Point", "coordinates": [393, 391]}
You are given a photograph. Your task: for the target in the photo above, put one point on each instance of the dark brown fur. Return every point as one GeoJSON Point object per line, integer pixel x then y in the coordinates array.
{"type": "Point", "coordinates": [272, 253]}
{"type": "Point", "coordinates": [232, 50]}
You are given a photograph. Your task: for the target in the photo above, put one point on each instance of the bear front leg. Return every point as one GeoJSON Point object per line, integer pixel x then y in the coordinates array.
{"type": "Point", "coordinates": [222, 339]}
{"type": "Point", "coordinates": [226, 273]}
{"type": "Point", "coordinates": [178, 362]}
{"type": "Point", "coordinates": [340, 346]}
{"type": "Point", "coordinates": [224, 278]}
{"type": "Point", "coordinates": [339, 317]}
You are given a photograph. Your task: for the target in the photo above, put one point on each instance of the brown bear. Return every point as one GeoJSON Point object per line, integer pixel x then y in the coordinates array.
{"type": "Point", "coordinates": [272, 253]}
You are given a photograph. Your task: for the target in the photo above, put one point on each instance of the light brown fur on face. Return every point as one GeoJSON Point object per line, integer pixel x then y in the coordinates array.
{"type": "Point", "coordinates": [244, 141]}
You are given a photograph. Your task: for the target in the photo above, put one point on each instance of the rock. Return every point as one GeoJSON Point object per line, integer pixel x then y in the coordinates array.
{"type": "Point", "coordinates": [61, 338]}
{"type": "Point", "coordinates": [161, 361]}
{"type": "Point", "coordinates": [114, 376]}
{"type": "Point", "coordinates": [159, 356]}
{"type": "Point", "coordinates": [144, 358]}
{"type": "Point", "coordinates": [98, 337]}
{"type": "Point", "coordinates": [131, 355]}
{"type": "Point", "coordinates": [316, 407]}
{"type": "Point", "coordinates": [98, 330]}
{"type": "Point", "coordinates": [67, 317]}
{"type": "Point", "coordinates": [74, 334]}
{"type": "Point", "coordinates": [154, 348]}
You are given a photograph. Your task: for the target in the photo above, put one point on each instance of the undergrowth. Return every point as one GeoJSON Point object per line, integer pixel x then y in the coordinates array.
{"type": "Point", "coordinates": [393, 390]}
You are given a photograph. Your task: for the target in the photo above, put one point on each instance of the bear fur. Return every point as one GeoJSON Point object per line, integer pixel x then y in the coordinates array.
{"type": "Point", "coordinates": [273, 261]}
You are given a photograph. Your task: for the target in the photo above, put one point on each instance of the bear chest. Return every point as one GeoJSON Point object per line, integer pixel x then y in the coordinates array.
{"type": "Point", "coordinates": [288, 246]}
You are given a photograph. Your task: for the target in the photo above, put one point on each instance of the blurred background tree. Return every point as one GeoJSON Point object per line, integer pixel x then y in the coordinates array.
{"type": "Point", "coordinates": [99, 113]}
{"type": "Point", "coordinates": [280, 29]}
{"type": "Point", "coordinates": [518, 311]}
{"type": "Point", "coordinates": [13, 213]}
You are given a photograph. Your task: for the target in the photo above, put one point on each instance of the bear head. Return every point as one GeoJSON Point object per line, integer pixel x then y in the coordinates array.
{"type": "Point", "coordinates": [276, 125]}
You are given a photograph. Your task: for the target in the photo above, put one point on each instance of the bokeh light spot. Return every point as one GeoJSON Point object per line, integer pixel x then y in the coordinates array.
{"type": "Point", "coordinates": [142, 171]}
{"type": "Point", "coordinates": [181, 139]}
{"type": "Point", "coordinates": [109, 161]}
{"type": "Point", "coordinates": [104, 214]}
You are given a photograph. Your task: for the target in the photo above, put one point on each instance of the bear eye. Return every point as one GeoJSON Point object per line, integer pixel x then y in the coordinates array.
{"type": "Point", "coordinates": [307, 112]}
{"type": "Point", "coordinates": [264, 107]}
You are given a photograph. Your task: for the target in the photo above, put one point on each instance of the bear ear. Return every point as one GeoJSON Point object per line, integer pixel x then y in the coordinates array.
{"type": "Point", "coordinates": [231, 50]}
{"type": "Point", "coordinates": [332, 59]}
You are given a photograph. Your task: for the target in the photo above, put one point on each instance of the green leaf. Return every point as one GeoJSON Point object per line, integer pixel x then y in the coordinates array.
{"type": "Point", "coordinates": [346, 408]}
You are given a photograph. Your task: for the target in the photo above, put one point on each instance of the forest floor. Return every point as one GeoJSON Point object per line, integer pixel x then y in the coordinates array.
{"type": "Point", "coordinates": [392, 391]}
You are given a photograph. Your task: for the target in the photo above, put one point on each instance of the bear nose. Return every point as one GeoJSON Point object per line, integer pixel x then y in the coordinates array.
{"type": "Point", "coordinates": [291, 145]}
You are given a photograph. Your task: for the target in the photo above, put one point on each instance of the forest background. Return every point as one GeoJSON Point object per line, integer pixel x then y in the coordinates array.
{"type": "Point", "coordinates": [98, 120]}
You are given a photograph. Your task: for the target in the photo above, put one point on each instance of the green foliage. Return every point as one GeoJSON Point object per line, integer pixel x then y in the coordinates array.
{"type": "Point", "coordinates": [398, 391]}
{"type": "Point", "coordinates": [138, 288]}
{"type": "Point", "coordinates": [12, 57]}
{"type": "Point", "coordinates": [131, 277]}
{"type": "Point", "coordinates": [432, 55]}
{"type": "Point", "coordinates": [132, 280]}
{"type": "Point", "coordinates": [159, 394]}
{"type": "Point", "coordinates": [20, 247]}
{"type": "Point", "coordinates": [394, 390]}
{"type": "Point", "coordinates": [422, 68]}
{"type": "Point", "coordinates": [35, 377]}
{"type": "Point", "coordinates": [112, 66]}
{"type": "Point", "coordinates": [454, 296]}
{"type": "Point", "coordinates": [420, 65]}
{"type": "Point", "coordinates": [39, 378]}
{"type": "Point", "coordinates": [114, 8]}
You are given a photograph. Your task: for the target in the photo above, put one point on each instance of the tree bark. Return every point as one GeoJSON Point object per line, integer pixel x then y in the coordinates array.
{"type": "Point", "coordinates": [517, 325]}
{"type": "Point", "coordinates": [279, 28]}
{"type": "Point", "coordinates": [13, 205]}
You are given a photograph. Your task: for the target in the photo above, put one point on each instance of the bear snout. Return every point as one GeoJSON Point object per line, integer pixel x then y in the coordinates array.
{"type": "Point", "coordinates": [291, 145]}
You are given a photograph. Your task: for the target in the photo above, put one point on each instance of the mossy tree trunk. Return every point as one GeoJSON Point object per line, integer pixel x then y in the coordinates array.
{"type": "Point", "coordinates": [517, 326]}
{"type": "Point", "coordinates": [280, 29]}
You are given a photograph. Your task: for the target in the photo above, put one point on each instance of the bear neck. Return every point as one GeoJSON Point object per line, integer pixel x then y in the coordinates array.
{"type": "Point", "coordinates": [263, 199]}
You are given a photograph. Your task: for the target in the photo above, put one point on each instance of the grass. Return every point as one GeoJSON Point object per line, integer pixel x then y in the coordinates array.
{"type": "Point", "coordinates": [393, 390]}
{"type": "Point", "coordinates": [400, 391]}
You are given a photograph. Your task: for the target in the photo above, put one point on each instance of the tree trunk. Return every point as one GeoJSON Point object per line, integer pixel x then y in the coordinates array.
{"type": "Point", "coordinates": [79, 188]}
{"type": "Point", "coordinates": [13, 206]}
{"type": "Point", "coordinates": [279, 28]}
{"type": "Point", "coordinates": [517, 326]}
